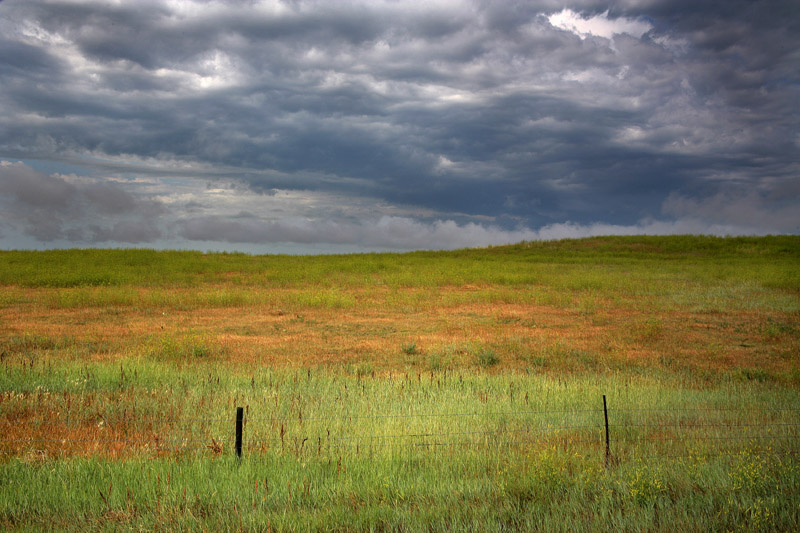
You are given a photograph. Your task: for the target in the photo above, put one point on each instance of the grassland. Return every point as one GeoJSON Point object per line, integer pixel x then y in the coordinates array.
{"type": "Point", "coordinates": [446, 390]}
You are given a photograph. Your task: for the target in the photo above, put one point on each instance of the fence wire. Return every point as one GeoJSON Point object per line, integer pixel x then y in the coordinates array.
{"type": "Point", "coordinates": [632, 432]}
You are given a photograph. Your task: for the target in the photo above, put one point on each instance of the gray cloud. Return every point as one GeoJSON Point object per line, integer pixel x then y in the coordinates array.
{"type": "Point", "coordinates": [464, 110]}
{"type": "Point", "coordinates": [728, 214]}
{"type": "Point", "coordinates": [49, 207]}
{"type": "Point", "coordinates": [34, 189]}
{"type": "Point", "coordinates": [386, 232]}
{"type": "Point", "coordinates": [126, 231]}
{"type": "Point", "coordinates": [749, 210]}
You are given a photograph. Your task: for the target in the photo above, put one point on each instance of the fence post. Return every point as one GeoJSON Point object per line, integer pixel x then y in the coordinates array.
{"type": "Point", "coordinates": [605, 415]}
{"type": "Point", "coordinates": [239, 418]}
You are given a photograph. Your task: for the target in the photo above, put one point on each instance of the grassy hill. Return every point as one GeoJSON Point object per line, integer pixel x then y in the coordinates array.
{"type": "Point", "coordinates": [705, 257]}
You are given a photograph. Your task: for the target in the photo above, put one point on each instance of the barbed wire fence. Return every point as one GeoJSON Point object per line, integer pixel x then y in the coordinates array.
{"type": "Point", "coordinates": [610, 434]}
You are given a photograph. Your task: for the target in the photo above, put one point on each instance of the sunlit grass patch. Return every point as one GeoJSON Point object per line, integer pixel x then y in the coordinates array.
{"type": "Point", "coordinates": [323, 298]}
{"type": "Point", "coordinates": [190, 345]}
{"type": "Point", "coordinates": [83, 297]}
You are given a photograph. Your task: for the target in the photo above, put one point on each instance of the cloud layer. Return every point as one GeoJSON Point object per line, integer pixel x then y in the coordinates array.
{"type": "Point", "coordinates": [396, 124]}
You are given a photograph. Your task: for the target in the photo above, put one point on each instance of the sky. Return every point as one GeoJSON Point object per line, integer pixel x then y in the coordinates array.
{"type": "Point", "coordinates": [294, 126]}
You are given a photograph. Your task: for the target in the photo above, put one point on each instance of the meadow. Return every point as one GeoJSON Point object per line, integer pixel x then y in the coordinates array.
{"type": "Point", "coordinates": [423, 391]}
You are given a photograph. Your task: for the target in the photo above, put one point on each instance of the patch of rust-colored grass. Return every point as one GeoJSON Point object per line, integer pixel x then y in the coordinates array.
{"type": "Point", "coordinates": [595, 334]}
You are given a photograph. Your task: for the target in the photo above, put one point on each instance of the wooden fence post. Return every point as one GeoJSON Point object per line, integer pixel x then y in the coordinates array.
{"type": "Point", "coordinates": [608, 445]}
{"type": "Point", "coordinates": [239, 419]}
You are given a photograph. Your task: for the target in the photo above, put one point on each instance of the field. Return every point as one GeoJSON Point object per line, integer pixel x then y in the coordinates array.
{"type": "Point", "coordinates": [425, 391]}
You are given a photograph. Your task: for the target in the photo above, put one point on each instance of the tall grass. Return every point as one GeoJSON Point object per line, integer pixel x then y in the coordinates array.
{"type": "Point", "coordinates": [545, 489]}
{"type": "Point", "coordinates": [443, 450]}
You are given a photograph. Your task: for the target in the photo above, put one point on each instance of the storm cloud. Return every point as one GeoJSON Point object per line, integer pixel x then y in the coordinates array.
{"type": "Point", "coordinates": [396, 124]}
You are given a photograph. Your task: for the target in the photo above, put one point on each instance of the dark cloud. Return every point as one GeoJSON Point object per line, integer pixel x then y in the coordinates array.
{"type": "Point", "coordinates": [527, 114]}
{"type": "Point", "coordinates": [20, 60]}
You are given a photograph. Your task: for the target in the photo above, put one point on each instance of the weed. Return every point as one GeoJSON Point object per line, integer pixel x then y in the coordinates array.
{"type": "Point", "coordinates": [410, 349]}
{"type": "Point", "coordinates": [754, 374]}
{"type": "Point", "coordinates": [486, 357]}
{"type": "Point", "coordinates": [365, 369]}
{"type": "Point", "coordinates": [750, 473]}
{"type": "Point", "coordinates": [438, 362]}
{"type": "Point", "coordinates": [537, 361]}
{"type": "Point", "coordinates": [646, 485]}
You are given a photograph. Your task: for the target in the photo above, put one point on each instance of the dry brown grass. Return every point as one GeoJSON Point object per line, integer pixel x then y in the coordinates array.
{"type": "Point", "coordinates": [38, 426]}
{"type": "Point", "coordinates": [606, 336]}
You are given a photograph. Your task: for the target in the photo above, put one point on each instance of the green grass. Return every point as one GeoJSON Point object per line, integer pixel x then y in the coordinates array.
{"type": "Point", "coordinates": [548, 490]}
{"type": "Point", "coordinates": [588, 264]}
{"type": "Point", "coordinates": [470, 466]}
{"type": "Point", "coordinates": [419, 392]}
{"type": "Point", "coordinates": [701, 274]}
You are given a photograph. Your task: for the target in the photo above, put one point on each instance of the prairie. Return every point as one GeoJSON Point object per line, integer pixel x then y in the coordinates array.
{"type": "Point", "coordinates": [429, 390]}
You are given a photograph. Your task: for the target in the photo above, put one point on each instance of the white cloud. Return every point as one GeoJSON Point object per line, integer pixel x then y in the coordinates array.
{"type": "Point", "coordinates": [598, 25]}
